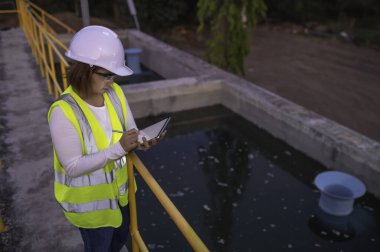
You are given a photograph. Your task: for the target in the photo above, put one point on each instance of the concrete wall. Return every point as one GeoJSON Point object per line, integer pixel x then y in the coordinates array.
{"type": "Point", "coordinates": [194, 83]}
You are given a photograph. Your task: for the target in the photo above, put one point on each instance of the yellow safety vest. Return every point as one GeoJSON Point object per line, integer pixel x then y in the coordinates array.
{"type": "Point", "coordinates": [92, 200]}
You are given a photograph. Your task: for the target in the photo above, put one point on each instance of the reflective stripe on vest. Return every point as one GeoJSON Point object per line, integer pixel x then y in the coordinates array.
{"type": "Point", "coordinates": [83, 122]}
{"type": "Point", "coordinates": [123, 188]}
{"type": "Point", "coordinates": [90, 179]}
{"type": "Point", "coordinates": [85, 180]}
{"type": "Point", "coordinates": [89, 207]}
{"type": "Point", "coordinates": [117, 105]}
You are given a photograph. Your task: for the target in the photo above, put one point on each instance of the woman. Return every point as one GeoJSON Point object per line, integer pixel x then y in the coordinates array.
{"type": "Point", "coordinates": [91, 182]}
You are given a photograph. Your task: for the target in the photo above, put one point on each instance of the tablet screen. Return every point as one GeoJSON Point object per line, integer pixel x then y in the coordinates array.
{"type": "Point", "coordinates": [154, 130]}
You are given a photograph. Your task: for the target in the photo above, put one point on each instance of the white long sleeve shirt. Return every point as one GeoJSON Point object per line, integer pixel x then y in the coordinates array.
{"type": "Point", "coordinates": [68, 146]}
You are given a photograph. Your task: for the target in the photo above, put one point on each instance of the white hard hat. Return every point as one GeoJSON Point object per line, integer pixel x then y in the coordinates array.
{"type": "Point", "coordinates": [99, 46]}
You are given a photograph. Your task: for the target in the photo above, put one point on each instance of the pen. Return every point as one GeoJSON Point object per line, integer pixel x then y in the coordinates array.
{"type": "Point", "coordinates": [118, 131]}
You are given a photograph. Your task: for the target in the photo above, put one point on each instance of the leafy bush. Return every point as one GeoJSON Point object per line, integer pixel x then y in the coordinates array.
{"type": "Point", "coordinates": [230, 23]}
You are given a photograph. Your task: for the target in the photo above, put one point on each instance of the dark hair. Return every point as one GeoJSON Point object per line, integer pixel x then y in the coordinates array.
{"type": "Point", "coordinates": [79, 75]}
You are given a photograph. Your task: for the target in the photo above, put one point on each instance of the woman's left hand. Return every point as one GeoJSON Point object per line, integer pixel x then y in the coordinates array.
{"type": "Point", "coordinates": [145, 145]}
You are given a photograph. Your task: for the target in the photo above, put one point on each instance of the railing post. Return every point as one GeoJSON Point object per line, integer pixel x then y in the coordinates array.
{"type": "Point", "coordinates": [43, 20]}
{"type": "Point", "coordinates": [64, 75]}
{"type": "Point", "coordinates": [136, 238]}
{"type": "Point", "coordinates": [132, 202]}
{"type": "Point", "coordinates": [52, 68]}
{"type": "Point", "coordinates": [31, 33]}
{"type": "Point", "coordinates": [3, 228]}
{"type": "Point", "coordinates": [19, 13]}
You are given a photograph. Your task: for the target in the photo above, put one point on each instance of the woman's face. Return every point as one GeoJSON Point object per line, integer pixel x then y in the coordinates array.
{"type": "Point", "coordinates": [101, 80]}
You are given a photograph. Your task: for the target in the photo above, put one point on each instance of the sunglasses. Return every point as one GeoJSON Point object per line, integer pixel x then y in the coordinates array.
{"type": "Point", "coordinates": [107, 76]}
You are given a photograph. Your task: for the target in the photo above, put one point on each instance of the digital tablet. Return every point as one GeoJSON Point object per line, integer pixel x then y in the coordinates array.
{"type": "Point", "coordinates": [154, 130]}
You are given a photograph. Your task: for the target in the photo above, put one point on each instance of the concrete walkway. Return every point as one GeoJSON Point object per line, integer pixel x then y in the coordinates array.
{"type": "Point", "coordinates": [34, 220]}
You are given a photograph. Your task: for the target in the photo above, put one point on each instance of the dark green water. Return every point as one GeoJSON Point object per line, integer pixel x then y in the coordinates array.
{"type": "Point", "coordinates": [243, 190]}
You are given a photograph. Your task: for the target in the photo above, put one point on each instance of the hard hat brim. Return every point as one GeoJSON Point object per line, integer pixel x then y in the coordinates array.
{"type": "Point", "coordinates": [122, 71]}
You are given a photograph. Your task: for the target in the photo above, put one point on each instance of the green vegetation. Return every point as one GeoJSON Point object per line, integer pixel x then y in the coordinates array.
{"type": "Point", "coordinates": [231, 23]}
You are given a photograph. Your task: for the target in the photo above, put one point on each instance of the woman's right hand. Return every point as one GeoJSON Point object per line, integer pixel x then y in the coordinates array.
{"type": "Point", "coordinates": [129, 140]}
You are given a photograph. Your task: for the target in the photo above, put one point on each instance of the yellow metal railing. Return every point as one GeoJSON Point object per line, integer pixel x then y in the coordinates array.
{"type": "Point", "coordinates": [46, 48]}
{"type": "Point", "coordinates": [44, 16]}
{"type": "Point", "coordinates": [137, 242]}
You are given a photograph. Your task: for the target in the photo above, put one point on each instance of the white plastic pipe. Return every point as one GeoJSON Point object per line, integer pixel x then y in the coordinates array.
{"type": "Point", "coordinates": [132, 10]}
{"type": "Point", "coordinates": [85, 12]}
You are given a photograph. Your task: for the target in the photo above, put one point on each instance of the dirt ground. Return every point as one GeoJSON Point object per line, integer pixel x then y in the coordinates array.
{"type": "Point", "coordinates": [333, 78]}
{"type": "Point", "coordinates": [339, 81]}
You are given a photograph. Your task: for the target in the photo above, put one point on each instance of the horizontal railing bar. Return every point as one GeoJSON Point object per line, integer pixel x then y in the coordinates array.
{"type": "Point", "coordinates": [8, 11]}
